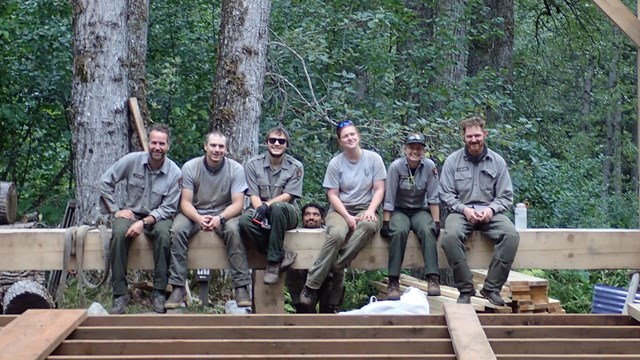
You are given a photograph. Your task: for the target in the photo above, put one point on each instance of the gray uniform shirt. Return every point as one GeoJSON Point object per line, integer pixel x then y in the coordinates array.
{"type": "Point", "coordinates": [212, 191]}
{"type": "Point", "coordinates": [149, 192]}
{"type": "Point", "coordinates": [487, 183]}
{"type": "Point", "coordinates": [268, 183]}
{"type": "Point", "coordinates": [354, 180]}
{"type": "Point", "coordinates": [406, 191]}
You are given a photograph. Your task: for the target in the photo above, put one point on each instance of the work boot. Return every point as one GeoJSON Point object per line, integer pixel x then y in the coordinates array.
{"type": "Point", "coordinates": [493, 297]}
{"type": "Point", "coordinates": [157, 301]}
{"type": "Point", "coordinates": [433, 288]}
{"type": "Point", "coordinates": [308, 296]}
{"type": "Point", "coordinates": [272, 274]}
{"type": "Point", "coordinates": [393, 288]}
{"type": "Point", "coordinates": [119, 304]}
{"type": "Point", "coordinates": [464, 298]}
{"type": "Point", "coordinates": [177, 297]}
{"type": "Point", "coordinates": [243, 299]}
{"type": "Point", "coordinates": [288, 260]}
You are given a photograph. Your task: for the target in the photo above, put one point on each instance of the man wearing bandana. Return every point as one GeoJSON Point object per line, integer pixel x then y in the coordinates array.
{"type": "Point", "coordinates": [476, 188]}
{"type": "Point", "coordinates": [274, 181]}
{"type": "Point", "coordinates": [212, 198]}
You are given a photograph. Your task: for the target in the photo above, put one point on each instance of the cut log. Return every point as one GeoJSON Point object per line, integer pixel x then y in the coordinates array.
{"type": "Point", "coordinates": [24, 295]}
{"type": "Point", "coordinates": [8, 202]}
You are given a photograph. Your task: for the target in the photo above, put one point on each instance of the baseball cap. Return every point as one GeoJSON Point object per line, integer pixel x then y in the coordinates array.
{"type": "Point", "coordinates": [415, 139]}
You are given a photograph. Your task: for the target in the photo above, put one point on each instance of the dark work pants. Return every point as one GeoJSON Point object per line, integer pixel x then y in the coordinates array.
{"type": "Point", "coordinates": [500, 229]}
{"type": "Point", "coordinates": [282, 217]}
{"type": "Point", "coordinates": [119, 253]}
{"type": "Point", "coordinates": [421, 223]}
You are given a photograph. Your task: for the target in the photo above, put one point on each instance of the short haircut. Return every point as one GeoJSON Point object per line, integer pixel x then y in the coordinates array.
{"type": "Point", "coordinates": [278, 130]}
{"type": "Point", "coordinates": [314, 205]}
{"type": "Point", "coordinates": [472, 121]}
{"type": "Point", "coordinates": [163, 128]}
{"type": "Point", "coordinates": [216, 133]}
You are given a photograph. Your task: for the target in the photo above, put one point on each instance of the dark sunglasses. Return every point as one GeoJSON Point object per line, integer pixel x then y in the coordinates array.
{"type": "Point", "coordinates": [344, 123]}
{"type": "Point", "coordinates": [279, 141]}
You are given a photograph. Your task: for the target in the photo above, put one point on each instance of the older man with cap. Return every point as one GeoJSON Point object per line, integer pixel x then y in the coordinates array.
{"type": "Point", "coordinates": [411, 203]}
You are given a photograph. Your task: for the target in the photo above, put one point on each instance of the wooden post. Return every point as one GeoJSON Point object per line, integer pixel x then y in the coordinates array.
{"type": "Point", "coordinates": [137, 121]}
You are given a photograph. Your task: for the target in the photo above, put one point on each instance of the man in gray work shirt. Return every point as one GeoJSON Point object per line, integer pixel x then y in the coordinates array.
{"type": "Point", "coordinates": [476, 188]}
{"type": "Point", "coordinates": [274, 181]}
{"type": "Point", "coordinates": [212, 198]}
{"type": "Point", "coordinates": [153, 191]}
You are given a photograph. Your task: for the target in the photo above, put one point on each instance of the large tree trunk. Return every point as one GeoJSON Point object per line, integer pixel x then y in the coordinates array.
{"type": "Point", "coordinates": [137, 26]}
{"type": "Point", "coordinates": [456, 51]}
{"type": "Point", "coordinates": [242, 58]}
{"type": "Point", "coordinates": [99, 96]}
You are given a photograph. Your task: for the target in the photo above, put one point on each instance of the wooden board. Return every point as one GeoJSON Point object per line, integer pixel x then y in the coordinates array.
{"type": "Point", "coordinates": [468, 338]}
{"type": "Point", "coordinates": [34, 334]}
{"type": "Point", "coordinates": [620, 14]}
{"type": "Point", "coordinates": [138, 122]}
{"type": "Point", "coordinates": [42, 249]}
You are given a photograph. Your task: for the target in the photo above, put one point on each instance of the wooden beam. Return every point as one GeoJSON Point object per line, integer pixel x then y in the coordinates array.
{"type": "Point", "coordinates": [138, 122]}
{"type": "Point", "coordinates": [42, 249]}
{"type": "Point", "coordinates": [36, 333]}
{"type": "Point", "coordinates": [622, 17]}
{"type": "Point", "coordinates": [468, 338]}
{"type": "Point", "coordinates": [634, 310]}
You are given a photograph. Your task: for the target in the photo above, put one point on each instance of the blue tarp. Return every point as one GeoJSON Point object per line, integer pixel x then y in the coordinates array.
{"type": "Point", "coordinates": [609, 299]}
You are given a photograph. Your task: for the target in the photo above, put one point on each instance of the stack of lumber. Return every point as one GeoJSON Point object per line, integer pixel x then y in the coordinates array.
{"type": "Point", "coordinates": [523, 294]}
{"type": "Point", "coordinates": [528, 294]}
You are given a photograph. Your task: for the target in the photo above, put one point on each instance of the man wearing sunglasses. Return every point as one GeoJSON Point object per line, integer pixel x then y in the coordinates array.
{"type": "Point", "coordinates": [274, 180]}
{"type": "Point", "coordinates": [411, 203]}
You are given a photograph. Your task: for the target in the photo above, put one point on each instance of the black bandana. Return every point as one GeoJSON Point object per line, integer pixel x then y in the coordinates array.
{"type": "Point", "coordinates": [475, 159]}
{"type": "Point", "coordinates": [213, 170]}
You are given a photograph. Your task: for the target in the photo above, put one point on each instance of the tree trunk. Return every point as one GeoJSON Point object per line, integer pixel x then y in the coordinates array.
{"type": "Point", "coordinates": [611, 167]}
{"type": "Point", "coordinates": [8, 203]}
{"type": "Point", "coordinates": [137, 25]}
{"type": "Point", "coordinates": [99, 96]}
{"type": "Point", "coordinates": [238, 85]}
{"type": "Point", "coordinates": [456, 51]}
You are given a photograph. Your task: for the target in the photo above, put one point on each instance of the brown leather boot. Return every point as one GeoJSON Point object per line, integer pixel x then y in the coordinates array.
{"type": "Point", "coordinates": [433, 288]}
{"type": "Point", "coordinates": [393, 288]}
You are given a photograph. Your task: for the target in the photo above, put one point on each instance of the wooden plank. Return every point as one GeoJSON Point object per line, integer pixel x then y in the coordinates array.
{"type": "Point", "coordinates": [261, 356]}
{"type": "Point", "coordinates": [467, 336]}
{"type": "Point", "coordinates": [258, 332]}
{"type": "Point", "coordinates": [568, 357]}
{"type": "Point", "coordinates": [42, 249]}
{"type": "Point", "coordinates": [565, 346]}
{"type": "Point", "coordinates": [138, 122]}
{"type": "Point", "coordinates": [254, 346]}
{"type": "Point", "coordinates": [634, 310]}
{"type": "Point", "coordinates": [577, 332]}
{"type": "Point", "coordinates": [558, 320]}
{"type": "Point", "coordinates": [34, 334]}
{"type": "Point", "coordinates": [264, 320]}
{"type": "Point", "coordinates": [267, 299]}
{"type": "Point", "coordinates": [620, 14]}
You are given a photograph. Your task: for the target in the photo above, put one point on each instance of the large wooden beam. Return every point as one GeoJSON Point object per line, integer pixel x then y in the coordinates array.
{"type": "Point", "coordinates": [622, 17]}
{"type": "Point", "coordinates": [468, 338]}
{"type": "Point", "coordinates": [42, 249]}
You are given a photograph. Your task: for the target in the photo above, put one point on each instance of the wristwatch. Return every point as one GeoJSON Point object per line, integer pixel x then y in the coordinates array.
{"type": "Point", "coordinates": [145, 223]}
{"type": "Point", "coordinates": [222, 219]}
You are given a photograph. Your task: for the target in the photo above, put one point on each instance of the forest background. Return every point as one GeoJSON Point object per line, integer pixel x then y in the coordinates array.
{"type": "Point", "coordinates": [556, 81]}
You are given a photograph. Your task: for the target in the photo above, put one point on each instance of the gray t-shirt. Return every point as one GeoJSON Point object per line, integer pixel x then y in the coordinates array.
{"type": "Point", "coordinates": [354, 180]}
{"type": "Point", "coordinates": [212, 190]}
{"type": "Point", "coordinates": [149, 192]}
{"type": "Point", "coordinates": [487, 183]}
{"type": "Point", "coordinates": [411, 191]}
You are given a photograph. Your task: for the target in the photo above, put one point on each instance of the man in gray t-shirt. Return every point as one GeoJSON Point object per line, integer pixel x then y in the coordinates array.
{"type": "Point", "coordinates": [213, 189]}
{"type": "Point", "coordinates": [153, 190]}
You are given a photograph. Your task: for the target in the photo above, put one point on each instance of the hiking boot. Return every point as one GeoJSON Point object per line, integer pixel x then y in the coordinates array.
{"type": "Point", "coordinates": [393, 288]}
{"type": "Point", "coordinates": [464, 298]}
{"type": "Point", "coordinates": [243, 299]}
{"type": "Point", "coordinates": [288, 260]}
{"type": "Point", "coordinates": [493, 297]}
{"type": "Point", "coordinates": [308, 296]}
{"type": "Point", "coordinates": [157, 301]}
{"type": "Point", "coordinates": [119, 304]}
{"type": "Point", "coordinates": [433, 288]}
{"type": "Point", "coordinates": [177, 297]}
{"type": "Point", "coordinates": [272, 274]}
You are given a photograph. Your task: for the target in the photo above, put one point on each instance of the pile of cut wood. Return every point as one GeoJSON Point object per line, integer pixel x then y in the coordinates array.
{"type": "Point", "coordinates": [523, 294]}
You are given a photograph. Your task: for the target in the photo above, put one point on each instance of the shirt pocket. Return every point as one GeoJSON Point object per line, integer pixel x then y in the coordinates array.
{"type": "Point", "coordinates": [157, 195]}
{"type": "Point", "coordinates": [135, 189]}
{"type": "Point", "coordinates": [406, 183]}
{"type": "Point", "coordinates": [464, 180]}
{"type": "Point", "coordinates": [265, 192]}
{"type": "Point", "coordinates": [487, 180]}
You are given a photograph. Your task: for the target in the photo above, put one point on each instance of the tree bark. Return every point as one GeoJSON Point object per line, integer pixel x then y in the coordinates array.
{"type": "Point", "coordinates": [137, 26]}
{"type": "Point", "coordinates": [238, 85]}
{"type": "Point", "coordinates": [456, 53]}
{"type": "Point", "coordinates": [25, 295]}
{"type": "Point", "coordinates": [99, 96]}
{"type": "Point", "coordinates": [8, 203]}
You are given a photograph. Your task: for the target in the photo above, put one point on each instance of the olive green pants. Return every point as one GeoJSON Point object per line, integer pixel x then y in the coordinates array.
{"type": "Point", "coordinates": [500, 229]}
{"type": "Point", "coordinates": [421, 223]}
{"type": "Point", "coordinates": [270, 242]}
